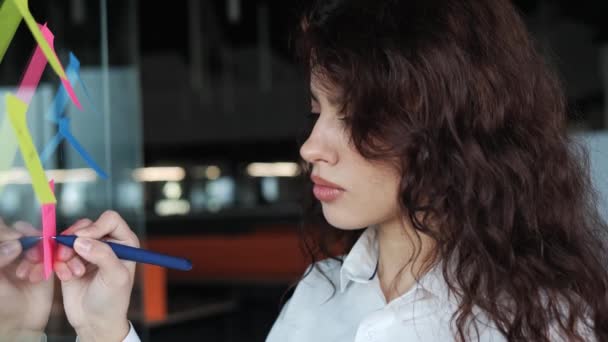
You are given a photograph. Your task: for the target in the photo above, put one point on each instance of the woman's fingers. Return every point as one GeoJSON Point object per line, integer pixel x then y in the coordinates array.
{"type": "Point", "coordinates": [76, 266]}
{"type": "Point", "coordinates": [28, 271]}
{"type": "Point", "coordinates": [110, 225]}
{"type": "Point", "coordinates": [62, 271]}
{"type": "Point", "coordinates": [10, 248]}
{"type": "Point", "coordinates": [82, 223]}
{"type": "Point", "coordinates": [112, 272]}
{"type": "Point", "coordinates": [9, 251]}
{"type": "Point", "coordinates": [8, 234]}
{"type": "Point", "coordinates": [26, 228]}
{"type": "Point", "coordinates": [37, 273]}
{"type": "Point", "coordinates": [65, 253]}
{"type": "Point", "coordinates": [23, 269]}
{"type": "Point", "coordinates": [34, 254]}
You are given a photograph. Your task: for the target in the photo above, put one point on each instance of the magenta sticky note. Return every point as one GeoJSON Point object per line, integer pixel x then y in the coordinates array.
{"type": "Point", "coordinates": [36, 66]}
{"type": "Point", "coordinates": [34, 70]}
{"type": "Point", "coordinates": [49, 229]}
{"type": "Point", "coordinates": [68, 87]}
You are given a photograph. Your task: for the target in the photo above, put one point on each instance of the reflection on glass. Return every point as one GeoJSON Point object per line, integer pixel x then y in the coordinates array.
{"type": "Point", "coordinates": [172, 190]}
{"type": "Point", "coordinates": [159, 174]}
{"type": "Point", "coordinates": [10, 201]}
{"type": "Point", "coordinates": [211, 172]}
{"type": "Point", "coordinates": [168, 207]}
{"type": "Point", "coordinates": [26, 297]}
{"type": "Point", "coordinates": [270, 189]}
{"type": "Point", "coordinates": [279, 169]}
{"type": "Point", "coordinates": [110, 132]}
{"type": "Point", "coordinates": [130, 195]}
{"type": "Point", "coordinates": [198, 197]}
{"type": "Point", "coordinates": [72, 199]}
{"type": "Point", "coordinates": [220, 193]}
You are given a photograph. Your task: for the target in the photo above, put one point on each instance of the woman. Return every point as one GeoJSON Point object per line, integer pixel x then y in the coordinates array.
{"type": "Point", "coordinates": [441, 162]}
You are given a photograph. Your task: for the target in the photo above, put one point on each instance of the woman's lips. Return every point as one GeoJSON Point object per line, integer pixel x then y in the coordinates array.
{"type": "Point", "coordinates": [326, 193]}
{"type": "Point", "coordinates": [324, 190]}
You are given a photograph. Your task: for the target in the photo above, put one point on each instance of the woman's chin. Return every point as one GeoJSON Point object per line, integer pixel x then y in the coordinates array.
{"type": "Point", "coordinates": [343, 221]}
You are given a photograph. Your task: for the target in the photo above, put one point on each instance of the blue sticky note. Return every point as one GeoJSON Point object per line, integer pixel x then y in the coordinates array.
{"type": "Point", "coordinates": [56, 114]}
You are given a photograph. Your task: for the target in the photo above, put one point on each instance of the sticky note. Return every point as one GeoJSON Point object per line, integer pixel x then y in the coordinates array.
{"type": "Point", "coordinates": [49, 229]}
{"type": "Point", "coordinates": [23, 8]}
{"type": "Point", "coordinates": [10, 18]}
{"type": "Point", "coordinates": [56, 114]}
{"type": "Point", "coordinates": [65, 133]}
{"type": "Point", "coordinates": [35, 68]}
{"type": "Point", "coordinates": [25, 91]}
{"type": "Point", "coordinates": [13, 11]}
{"type": "Point", "coordinates": [57, 108]}
{"type": "Point", "coordinates": [16, 110]}
{"type": "Point", "coordinates": [8, 146]}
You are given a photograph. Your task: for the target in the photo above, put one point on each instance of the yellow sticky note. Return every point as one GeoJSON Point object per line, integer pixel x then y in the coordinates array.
{"type": "Point", "coordinates": [9, 21]}
{"type": "Point", "coordinates": [48, 52]}
{"type": "Point", "coordinates": [8, 147]}
{"type": "Point", "coordinates": [16, 110]}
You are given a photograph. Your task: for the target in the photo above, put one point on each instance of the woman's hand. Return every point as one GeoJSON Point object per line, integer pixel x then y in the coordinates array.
{"type": "Point", "coordinates": [97, 285]}
{"type": "Point", "coordinates": [25, 297]}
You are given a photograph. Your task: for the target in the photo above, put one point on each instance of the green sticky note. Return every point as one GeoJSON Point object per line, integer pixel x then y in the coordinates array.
{"type": "Point", "coordinates": [10, 18]}
{"type": "Point", "coordinates": [44, 45]}
{"type": "Point", "coordinates": [8, 147]}
{"type": "Point", "coordinates": [16, 110]}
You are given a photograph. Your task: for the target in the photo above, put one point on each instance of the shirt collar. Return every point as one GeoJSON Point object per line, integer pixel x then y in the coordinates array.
{"type": "Point", "coordinates": [361, 263]}
{"type": "Point", "coordinates": [361, 266]}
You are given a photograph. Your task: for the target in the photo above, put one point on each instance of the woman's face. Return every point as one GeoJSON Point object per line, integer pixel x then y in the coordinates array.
{"type": "Point", "coordinates": [354, 192]}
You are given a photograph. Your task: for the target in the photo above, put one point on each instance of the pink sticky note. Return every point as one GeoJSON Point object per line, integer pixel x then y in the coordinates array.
{"type": "Point", "coordinates": [49, 229]}
{"type": "Point", "coordinates": [34, 70]}
{"type": "Point", "coordinates": [68, 87]}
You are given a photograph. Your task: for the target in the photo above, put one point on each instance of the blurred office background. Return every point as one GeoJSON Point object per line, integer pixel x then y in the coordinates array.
{"type": "Point", "coordinates": [197, 109]}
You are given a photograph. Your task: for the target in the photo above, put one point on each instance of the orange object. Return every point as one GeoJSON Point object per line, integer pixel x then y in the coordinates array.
{"type": "Point", "coordinates": [273, 255]}
{"type": "Point", "coordinates": [154, 289]}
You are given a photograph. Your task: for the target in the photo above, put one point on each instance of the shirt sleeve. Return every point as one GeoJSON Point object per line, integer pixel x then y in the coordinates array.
{"type": "Point", "coordinates": [131, 336]}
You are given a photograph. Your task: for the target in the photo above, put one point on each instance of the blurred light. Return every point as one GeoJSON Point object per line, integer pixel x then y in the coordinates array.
{"type": "Point", "coordinates": [281, 169]}
{"type": "Point", "coordinates": [172, 190]}
{"type": "Point", "coordinates": [198, 197]}
{"type": "Point", "coordinates": [213, 172]}
{"type": "Point", "coordinates": [220, 193]}
{"type": "Point", "coordinates": [169, 207]}
{"type": "Point", "coordinates": [270, 189]}
{"type": "Point", "coordinates": [234, 11]}
{"type": "Point", "coordinates": [199, 172]}
{"type": "Point", "coordinates": [72, 199]}
{"type": "Point", "coordinates": [129, 195]}
{"type": "Point", "coordinates": [159, 174]}
{"type": "Point", "coordinates": [10, 201]}
{"type": "Point", "coordinates": [21, 176]}
{"type": "Point", "coordinates": [214, 205]}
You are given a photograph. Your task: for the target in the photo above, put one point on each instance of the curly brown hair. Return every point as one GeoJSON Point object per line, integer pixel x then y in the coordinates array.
{"type": "Point", "coordinates": [456, 91]}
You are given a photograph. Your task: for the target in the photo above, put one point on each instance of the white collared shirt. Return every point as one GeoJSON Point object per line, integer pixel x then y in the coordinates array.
{"type": "Point", "coordinates": [358, 311]}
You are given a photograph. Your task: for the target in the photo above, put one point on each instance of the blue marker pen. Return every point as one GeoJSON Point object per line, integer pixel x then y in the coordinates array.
{"type": "Point", "coordinates": [28, 242]}
{"type": "Point", "coordinates": [135, 254]}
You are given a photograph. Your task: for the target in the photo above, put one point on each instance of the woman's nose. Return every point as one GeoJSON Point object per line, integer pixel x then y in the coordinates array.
{"type": "Point", "coordinates": [318, 148]}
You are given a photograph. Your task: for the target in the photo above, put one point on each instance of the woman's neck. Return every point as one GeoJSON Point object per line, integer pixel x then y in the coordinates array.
{"type": "Point", "coordinates": [397, 248]}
